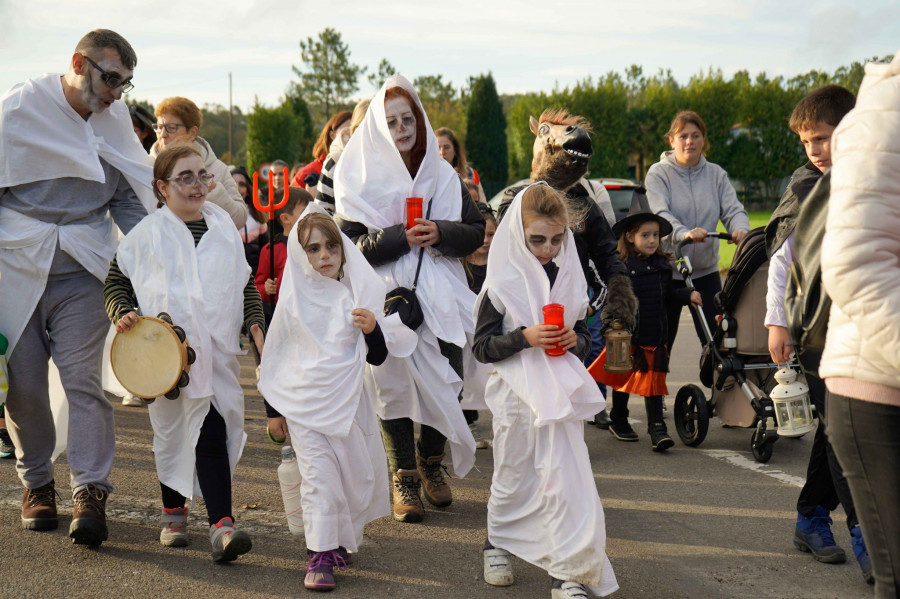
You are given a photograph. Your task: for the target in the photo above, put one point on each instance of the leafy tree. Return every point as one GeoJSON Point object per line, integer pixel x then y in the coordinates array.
{"type": "Point", "coordinates": [306, 132]}
{"type": "Point", "coordinates": [441, 103]}
{"type": "Point", "coordinates": [384, 72]}
{"type": "Point", "coordinates": [215, 131]}
{"type": "Point", "coordinates": [329, 78]}
{"type": "Point", "coordinates": [274, 133]}
{"type": "Point", "coordinates": [486, 134]}
{"type": "Point", "coordinates": [520, 139]}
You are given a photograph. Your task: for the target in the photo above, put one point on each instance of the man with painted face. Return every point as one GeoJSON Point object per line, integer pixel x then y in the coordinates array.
{"type": "Point", "coordinates": [71, 160]}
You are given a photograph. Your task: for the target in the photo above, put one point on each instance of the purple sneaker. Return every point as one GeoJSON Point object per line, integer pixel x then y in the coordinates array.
{"type": "Point", "coordinates": [320, 570]}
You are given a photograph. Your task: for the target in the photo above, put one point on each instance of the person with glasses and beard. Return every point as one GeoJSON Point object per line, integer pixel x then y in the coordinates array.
{"type": "Point", "coordinates": [71, 158]}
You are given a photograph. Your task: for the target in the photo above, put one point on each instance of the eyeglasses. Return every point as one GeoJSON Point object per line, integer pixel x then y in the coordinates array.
{"type": "Point", "coordinates": [170, 128]}
{"type": "Point", "coordinates": [188, 179]}
{"type": "Point", "coordinates": [111, 81]}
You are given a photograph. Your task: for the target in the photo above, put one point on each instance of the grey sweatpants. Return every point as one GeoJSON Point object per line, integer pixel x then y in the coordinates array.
{"type": "Point", "coordinates": [69, 324]}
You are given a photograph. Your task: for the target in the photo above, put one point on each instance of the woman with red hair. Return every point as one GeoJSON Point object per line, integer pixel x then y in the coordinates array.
{"type": "Point", "coordinates": [394, 156]}
{"type": "Point", "coordinates": [331, 130]}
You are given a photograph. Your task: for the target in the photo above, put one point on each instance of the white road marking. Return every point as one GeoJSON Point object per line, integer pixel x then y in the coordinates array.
{"type": "Point", "coordinates": [736, 459]}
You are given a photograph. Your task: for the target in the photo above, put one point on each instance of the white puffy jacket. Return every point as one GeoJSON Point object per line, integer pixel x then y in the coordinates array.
{"type": "Point", "coordinates": [861, 248]}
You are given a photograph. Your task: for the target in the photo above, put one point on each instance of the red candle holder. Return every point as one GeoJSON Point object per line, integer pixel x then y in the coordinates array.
{"type": "Point", "coordinates": [413, 211]}
{"type": "Point", "coordinates": [554, 314]}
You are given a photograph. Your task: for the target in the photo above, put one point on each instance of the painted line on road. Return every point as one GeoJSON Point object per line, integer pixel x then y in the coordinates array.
{"type": "Point", "coordinates": [689, 508]}
{"type": "Point", "coordinates": [736, 459]}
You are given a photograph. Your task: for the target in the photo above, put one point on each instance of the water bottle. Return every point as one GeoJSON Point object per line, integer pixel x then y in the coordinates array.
{"type": "Point", "coordinates": [289, 479]}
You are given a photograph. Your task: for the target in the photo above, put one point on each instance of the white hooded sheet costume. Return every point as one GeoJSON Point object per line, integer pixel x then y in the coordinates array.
{"type": "Point", "coordinates": [202, 290]}
{"type": "Point", "coordinates": [544, 506]}
{"type": "Point", "coordinates": [371, 184]}
{"type": "Point", "coordinates": [41, 135]}
{"type": "Point", "coordinates": [312, 372]}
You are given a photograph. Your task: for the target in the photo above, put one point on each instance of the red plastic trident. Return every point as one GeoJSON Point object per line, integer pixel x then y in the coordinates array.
{"type": "Point", "coordinates": [271, 208]}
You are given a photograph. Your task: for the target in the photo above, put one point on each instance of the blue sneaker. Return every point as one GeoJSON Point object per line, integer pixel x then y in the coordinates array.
{"type": "Point", "coordinates": [813, 535]}
{"type": "Point", "coordinates": [862, 554]}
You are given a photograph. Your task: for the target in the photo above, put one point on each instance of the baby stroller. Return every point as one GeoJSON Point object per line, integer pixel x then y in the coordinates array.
{"type": "Point", "coordinates": [735, 362]}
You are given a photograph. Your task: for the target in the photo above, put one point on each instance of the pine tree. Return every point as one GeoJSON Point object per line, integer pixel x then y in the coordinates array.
{"type": "Point", "coordinates": [329, 78]}
{"type": "Point", "coordinates": [486, 134]}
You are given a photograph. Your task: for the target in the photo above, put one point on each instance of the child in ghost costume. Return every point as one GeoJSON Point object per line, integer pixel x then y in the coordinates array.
{"type": "Point", "coordinates": [392, 156]}
{"type": "Point", "coordinates": [544, 505]}
{"type": "Point", "coordinates": [187, 259]}
{"type": "Point", "coordinates": [328, 323]}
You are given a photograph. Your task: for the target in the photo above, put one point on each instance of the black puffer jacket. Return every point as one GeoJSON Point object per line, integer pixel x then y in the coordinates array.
{"type": "Point", "coordinates": [458, 239]}
{"type": "Point", "coordinates": [594, 238]}
{"type": "Point", "coordinates": [651, 280]}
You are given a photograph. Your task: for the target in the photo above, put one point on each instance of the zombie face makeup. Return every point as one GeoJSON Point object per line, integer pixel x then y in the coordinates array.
{"type": "Point", "coordinates": [543, 237]}
{"type": "Point", "coordinates": [402, 124]}
{"type": "Point", "coordinates": [325, 255]}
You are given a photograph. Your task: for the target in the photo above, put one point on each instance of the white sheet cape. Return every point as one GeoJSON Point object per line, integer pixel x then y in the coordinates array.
{"type": "Point", "coordinates": [312, 372]}
{"type": "Point", "coordinates": [544, 506]}
{"type": "Point", "coordinates": [314, 359]}
{"type": "Point", "coordinates": [371, 185]}
{"type": "Point", "coordinates": [40, 134]}
{"type": "Point", "coordinates": [202, 290]}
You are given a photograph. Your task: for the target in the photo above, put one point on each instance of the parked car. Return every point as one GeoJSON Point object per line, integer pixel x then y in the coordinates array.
{"type": "Point", "coordinates": [619, 191]}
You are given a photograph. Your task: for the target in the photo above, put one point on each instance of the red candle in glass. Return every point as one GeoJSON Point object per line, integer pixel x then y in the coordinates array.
{"type": "Point", "coordinates": [413, 211]}
{"type": "Point", "coordinates": [554, 314]}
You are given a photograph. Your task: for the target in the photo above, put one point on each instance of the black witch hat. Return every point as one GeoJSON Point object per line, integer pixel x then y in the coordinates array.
{"type": "Point", "coordinates": [640, 212]}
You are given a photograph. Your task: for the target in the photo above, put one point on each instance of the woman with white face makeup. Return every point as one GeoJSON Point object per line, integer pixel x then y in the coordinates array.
{"type": "Point", "coordinates": [394, 156]}
{"type": "Point", "coordinates": [694, 195]}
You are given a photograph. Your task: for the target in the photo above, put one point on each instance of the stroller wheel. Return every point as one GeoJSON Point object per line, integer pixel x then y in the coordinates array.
{"type": "Point", "coordinates": [761, 444]}
{"type": "Point", "coordinates": [691, 415]}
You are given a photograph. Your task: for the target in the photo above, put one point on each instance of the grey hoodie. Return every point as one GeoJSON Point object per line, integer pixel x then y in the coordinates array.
{"type": "Point", "coordinates": [695, 196]}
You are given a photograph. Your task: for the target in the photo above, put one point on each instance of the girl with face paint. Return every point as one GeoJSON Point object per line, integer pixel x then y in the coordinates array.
{"type": "Point", "coordinates": [393, 156]}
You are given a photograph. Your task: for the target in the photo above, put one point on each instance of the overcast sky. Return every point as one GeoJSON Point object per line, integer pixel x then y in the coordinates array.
{"type": "Point", "coordinates": [188, 48]}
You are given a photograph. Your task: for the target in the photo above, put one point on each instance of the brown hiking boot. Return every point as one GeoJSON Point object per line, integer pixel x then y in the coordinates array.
{"type": "Point", "coordinates": [407, 503]}
{"type": "Point", "coordinates": [436, 489]}
{"type": "Point", "coordinates": [89, 516]}
{"type": "Point", "coordinates": [39, 508]}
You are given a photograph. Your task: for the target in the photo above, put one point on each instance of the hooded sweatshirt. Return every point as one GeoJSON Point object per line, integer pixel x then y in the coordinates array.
{"type": "Point", "coordinates": [690, 197]}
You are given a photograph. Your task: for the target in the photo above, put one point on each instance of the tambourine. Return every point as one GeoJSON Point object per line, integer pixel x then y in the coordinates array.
{"type": "Point", "coordinates": [153, 358]}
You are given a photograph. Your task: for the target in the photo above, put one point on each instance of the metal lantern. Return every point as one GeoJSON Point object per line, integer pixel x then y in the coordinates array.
{"type": "Point", "coordinates": [618, 349]}
{"type": "Point", "coordinates": [791, 399]}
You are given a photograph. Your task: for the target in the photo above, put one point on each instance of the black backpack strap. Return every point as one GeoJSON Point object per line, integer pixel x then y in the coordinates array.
{"type": "Point", "coordinates": [421, 249]}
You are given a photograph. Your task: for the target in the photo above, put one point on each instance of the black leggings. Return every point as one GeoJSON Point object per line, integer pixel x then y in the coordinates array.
{"type": "Point", "coordinates": [399, 435]}
{"type": "Point", "coordinates": [619, 412]}
{"type": "Point", "coordinates": [865, 440]}
{"type": "Point", "coordinates": [708, 286]}
{"type": "Point", "coordinates": [213, 470]}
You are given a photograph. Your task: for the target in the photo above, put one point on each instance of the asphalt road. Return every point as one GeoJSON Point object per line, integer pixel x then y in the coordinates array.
{"type": "Point", "coordinates": [704, 522]}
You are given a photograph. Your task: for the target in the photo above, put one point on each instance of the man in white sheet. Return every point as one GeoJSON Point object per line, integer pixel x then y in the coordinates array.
{"type": "Point", "coordinates": [70, 160]}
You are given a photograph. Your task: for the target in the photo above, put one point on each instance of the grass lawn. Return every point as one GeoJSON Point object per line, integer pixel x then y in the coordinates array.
{"type": "Point", "coordinates": [726, 250]}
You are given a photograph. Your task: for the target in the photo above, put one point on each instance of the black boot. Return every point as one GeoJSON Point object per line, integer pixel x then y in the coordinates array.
{"type": "Point", "coordinates": [659, 436]}
{"type": "Point", "coordinates": [601, 420]}
{"type": "Point", "coordinates": [622, 430]}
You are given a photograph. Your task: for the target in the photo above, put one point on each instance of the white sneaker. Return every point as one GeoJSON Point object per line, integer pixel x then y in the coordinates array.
{"type": "Point", "coordinates": [497, 567]}
{"type": "Point", "coordinates": [480, 441]}
{"type": "Point", "coordinates": [173, 533]}
{"type": "Point", "coordinates": [132, 401]}
{"type": "Point", "coordinates": [568, 590]}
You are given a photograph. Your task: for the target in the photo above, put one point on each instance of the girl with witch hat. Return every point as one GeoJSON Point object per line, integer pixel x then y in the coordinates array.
{"type": "Point", "coordinates": [328, 324]}
{"type": "Point", "coordinates": [650, 270]}
{"type": "Point", "coordinates": [544, 505]}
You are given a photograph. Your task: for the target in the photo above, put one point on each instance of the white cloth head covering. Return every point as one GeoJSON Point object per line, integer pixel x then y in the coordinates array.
{"type": "Point", "coordinates": [371, 185]}
{"type": "Point", "coordinates": [314, 358]}
{"type": "Point", "coordinates": [42, 137]}
{"type": "Point", "coordinates": [555, 387]}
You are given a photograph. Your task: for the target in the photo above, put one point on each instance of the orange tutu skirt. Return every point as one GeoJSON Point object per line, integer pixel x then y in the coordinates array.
{"type": "Point", "coordinates": [646, 384]}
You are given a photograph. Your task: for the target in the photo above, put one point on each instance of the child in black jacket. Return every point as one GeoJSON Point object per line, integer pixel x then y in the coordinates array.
{"type": "Point", "coordinates": [650, 271]}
